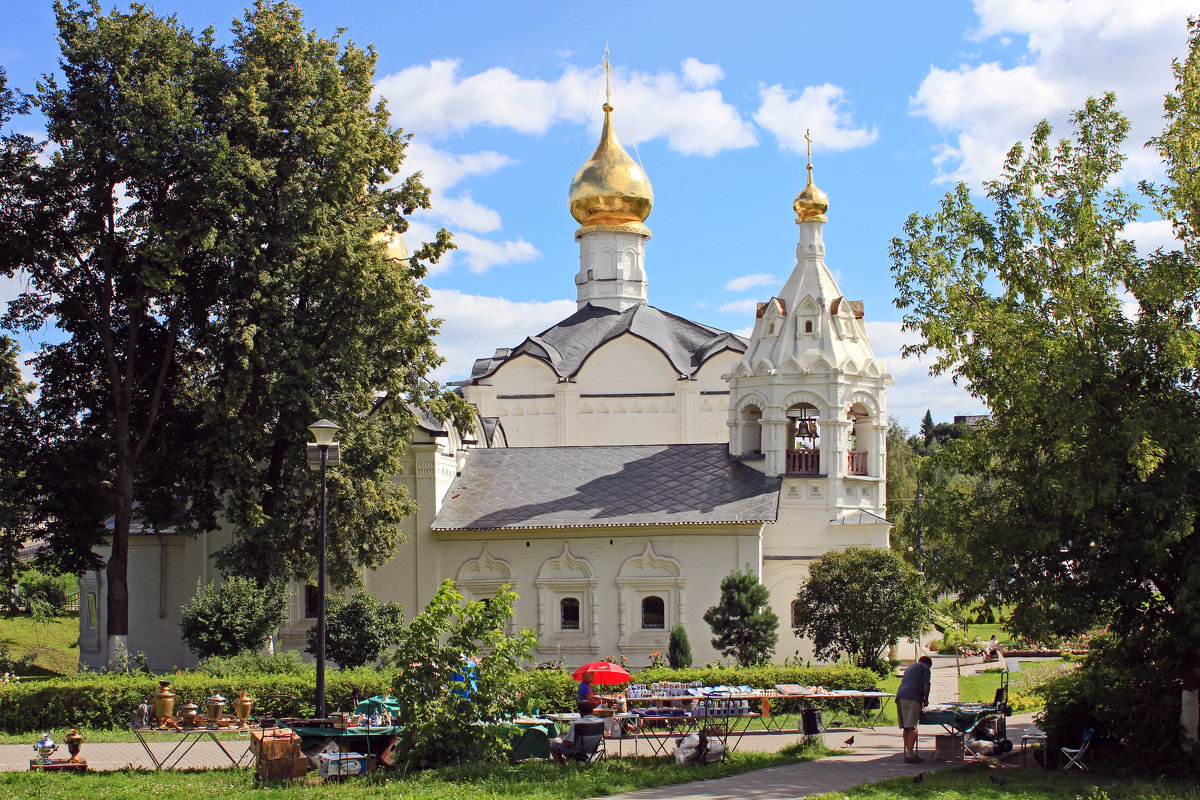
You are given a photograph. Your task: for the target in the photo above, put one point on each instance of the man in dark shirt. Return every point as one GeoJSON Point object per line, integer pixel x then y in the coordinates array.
{"type": "Point", "coordinates": [911, 698]}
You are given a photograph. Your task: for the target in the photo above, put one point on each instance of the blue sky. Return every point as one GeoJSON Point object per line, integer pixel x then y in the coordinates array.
{"type": "Point", "coordinates": [902, 100]}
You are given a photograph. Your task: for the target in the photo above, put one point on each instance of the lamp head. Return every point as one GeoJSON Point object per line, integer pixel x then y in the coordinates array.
{"type": "Point", "coordinates": [323, 431]}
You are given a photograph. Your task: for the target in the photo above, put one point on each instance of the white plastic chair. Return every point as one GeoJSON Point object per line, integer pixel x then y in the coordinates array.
{"type": "Point", "coordinates": [1074, 755]}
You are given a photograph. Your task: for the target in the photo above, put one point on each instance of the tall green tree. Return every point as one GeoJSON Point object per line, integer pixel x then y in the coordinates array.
{"type": "Point", "coordinates": [18, 485]}
{"type": "Point", "coordinates": [927, 426]}
{"type": "Point", "coordinates": [855, 602]}
{"type": "Point", "coordinates": [115, 232]}
{"type": "Point", "coordinates": [1085, 503]}
{"type": "Point", "coordinates": [743, 624]}
{"type": "Point", "coordinates": [318, 321]}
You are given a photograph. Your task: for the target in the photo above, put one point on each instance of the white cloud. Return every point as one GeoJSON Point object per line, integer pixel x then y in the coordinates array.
{"type": "Point", "coordinates": [483, 254]}
{"type": "Point", "coordinates": [746, 306]}
{"type": "Point", "coordinates": [915, 390]}
{"type": "Point", "coordinates": [750, 281]}
{"type": "Point", "coordinates": [819, 108]}
{"type": "Point", "coordinates": [681, 107]}
{"type": "Point", "coordinates": [699, 75]}
{"type": "Point", "coordinates": [1149, 236]}
{"type": "Point", "coordinates": [475, 325]}
{"type": "Point", "coordinates": [477, 253]}
{"type": "Point", "coordinates": [1072, 49]}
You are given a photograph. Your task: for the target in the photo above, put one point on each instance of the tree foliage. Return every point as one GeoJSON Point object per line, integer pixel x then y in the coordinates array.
{"type": "Point", "coordinates": [18, 484]}
{"type": "Point", "coordinates": [447, 719]}
{"type": "Point", "coordinates": [679, 649]}
{"type": "Point", "coordinates": [857, 602]}
{"type": "Point", "coordinates": [744, 625]}
{"type": "Point", "coordinates": [207, 233]}
{"type": "Point", "coordinates": [235, 617]}
{"type": "Point", "coordinates": [1085, 502]}
{"type": "Point", "coordinates": [317, 320]}
{"type": "Point", "coordinates": [358, 631]}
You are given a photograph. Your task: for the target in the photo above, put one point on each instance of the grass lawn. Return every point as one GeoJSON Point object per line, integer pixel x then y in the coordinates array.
{"type": "Point", "coordinates": [536, 780]}
{"type": "Point", "coordinates": [56, 643]}
{"type": "Point", "coordinates": [975, 782]}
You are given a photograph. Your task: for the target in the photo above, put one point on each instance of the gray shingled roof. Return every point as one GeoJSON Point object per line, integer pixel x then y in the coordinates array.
{"type": "Point", "coordinates": [567, 345]}
{"type": "Point", "coordinates": [579, 487]}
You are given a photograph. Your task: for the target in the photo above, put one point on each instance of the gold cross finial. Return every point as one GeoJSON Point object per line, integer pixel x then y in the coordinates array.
{"type": "Point", "coordinates": [808, 138]}
{"type": "Point", "coordinates": [607, 76]}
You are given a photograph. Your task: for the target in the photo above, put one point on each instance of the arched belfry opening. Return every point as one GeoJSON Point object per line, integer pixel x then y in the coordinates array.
{"type": "Point", "coordinates": [861, 441]}
{"type": "Point", "coordinates": [804, 437]}
{"type": "Point", "coordinates": [751, 430]}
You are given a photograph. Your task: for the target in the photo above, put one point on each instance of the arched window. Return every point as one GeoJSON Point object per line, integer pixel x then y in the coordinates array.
{"type": "Point", "coordinates": [808, 326]}
{"type": "Point", "coordinates": [796, 611]}
{"type": "Point", "coordinates": [569, 613]}
{"type": "Point", "coordinates": [654, 614]}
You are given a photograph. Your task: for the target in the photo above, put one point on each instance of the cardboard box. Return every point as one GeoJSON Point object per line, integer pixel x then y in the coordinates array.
{"type": "Point", "coordinates": [274, 743]}
{"type": "Point", "coordinates": [948, 747]}
{"type": "Point", "coordinates": [282, 769]}
{"type": "Point", "coordinates": [341, 764]}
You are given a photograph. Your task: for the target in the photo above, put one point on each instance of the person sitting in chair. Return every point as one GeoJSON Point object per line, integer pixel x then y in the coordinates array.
{"type": "Point", "coordinates": [991, 648]}
{"type": "Point", "coordinates": [561, 746]}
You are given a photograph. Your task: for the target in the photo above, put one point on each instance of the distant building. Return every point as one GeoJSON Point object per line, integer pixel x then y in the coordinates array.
{"type": "Point", "coordinates": [971, 420]}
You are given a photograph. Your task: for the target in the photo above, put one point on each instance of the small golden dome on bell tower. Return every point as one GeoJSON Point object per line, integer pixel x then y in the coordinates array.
{"type": "Point", "coordinates": [811, 203]}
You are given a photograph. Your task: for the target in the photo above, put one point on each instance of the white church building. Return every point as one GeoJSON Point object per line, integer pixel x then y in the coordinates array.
{"type": "Point", "coordinates": [625, 459]}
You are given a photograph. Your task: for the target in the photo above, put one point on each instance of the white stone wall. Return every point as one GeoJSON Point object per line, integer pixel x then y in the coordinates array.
{"type": "Point", "coordinates": [626, 393]}
{"type": "Point", "coordinates": [610, 571]}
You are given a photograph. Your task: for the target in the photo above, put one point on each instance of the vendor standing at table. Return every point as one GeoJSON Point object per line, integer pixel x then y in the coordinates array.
{"type": "Point", "coordinates": [585, 690]}
{"type": "Point", "coordinates": [911, 698]}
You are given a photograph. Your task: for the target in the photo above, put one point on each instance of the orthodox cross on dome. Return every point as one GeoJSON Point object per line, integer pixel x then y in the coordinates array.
{"type": "Point", "coordinates": [607, 77]}
{"type": "Point", "coordinates": [808, 139]}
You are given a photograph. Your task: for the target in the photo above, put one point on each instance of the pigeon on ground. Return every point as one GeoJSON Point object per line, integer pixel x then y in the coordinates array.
{"type": "Point", "coordinates": [849, 741]}
{"type": "Point", "coordinates": [999, 781]}
{"type": "Point", "coordinates": [920, 777]}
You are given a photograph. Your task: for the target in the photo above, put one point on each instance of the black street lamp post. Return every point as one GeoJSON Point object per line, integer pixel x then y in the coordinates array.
{"type": "Point", "coordinates": [323, 431]}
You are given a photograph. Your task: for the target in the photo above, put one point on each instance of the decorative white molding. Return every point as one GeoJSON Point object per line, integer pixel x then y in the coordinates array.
{"type": "Point", "coordinates": [483, 575]}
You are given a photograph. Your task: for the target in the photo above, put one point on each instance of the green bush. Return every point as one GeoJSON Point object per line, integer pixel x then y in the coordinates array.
{"type": "Point", "coordinates": [358, 631]}
{"type": "Point", "coordinates": [237, 616]}
{"type": "Point", "coordinates": [836, 676]}
{"type": "Point", "coordinates": [459, 672]}
{"type": "Point", "coordinates": [53, 590]}
{"type": "Point", "coordinates": [106, 701]}
{"type": "Point", "coordinates": [287, 662]}
{"type": "Point", "coordinates": [548, 691]}
{"type": "Point", "coordinates": [1123, 692]}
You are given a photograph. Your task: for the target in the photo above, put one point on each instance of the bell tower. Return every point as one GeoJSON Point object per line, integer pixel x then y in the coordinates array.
{"type": "Point", "coordinates": [611, 198]}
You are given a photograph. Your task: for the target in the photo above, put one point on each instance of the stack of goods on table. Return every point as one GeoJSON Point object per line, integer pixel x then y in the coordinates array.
{"type": "Point", "coordinates": [278, 754]}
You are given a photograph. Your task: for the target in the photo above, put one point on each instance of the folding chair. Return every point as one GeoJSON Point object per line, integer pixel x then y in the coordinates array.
{"type": "Point", "coordinates": [588, 744]}
{"type": "Point", "coordinates": [1074, 755]}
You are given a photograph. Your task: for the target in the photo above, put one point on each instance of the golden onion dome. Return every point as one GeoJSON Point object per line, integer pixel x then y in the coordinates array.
{"type": "Point", "coordinates": [611, 191]}
{"type": "Point", "coordinates": [811, 203]}
{"type": "Point", "coordinates": [394, 246]}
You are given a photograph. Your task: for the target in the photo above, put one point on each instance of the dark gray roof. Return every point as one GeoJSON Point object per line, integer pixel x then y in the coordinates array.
{"type": "Point", "coordinates": [580, 487]}
{"type": "Point", "coordinates": [567, 345]}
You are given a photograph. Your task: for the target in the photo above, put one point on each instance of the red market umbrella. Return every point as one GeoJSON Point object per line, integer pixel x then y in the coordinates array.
{"type": "Point", "coordinates": [603, 671]}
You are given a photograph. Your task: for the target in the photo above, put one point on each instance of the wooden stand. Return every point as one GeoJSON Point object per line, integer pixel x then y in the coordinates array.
{"type": "Point", "coordinates": [58, 765]}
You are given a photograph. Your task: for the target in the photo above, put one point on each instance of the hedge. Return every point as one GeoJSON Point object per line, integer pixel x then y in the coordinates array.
{"type": "Point", "coordinates": [107, 701]}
